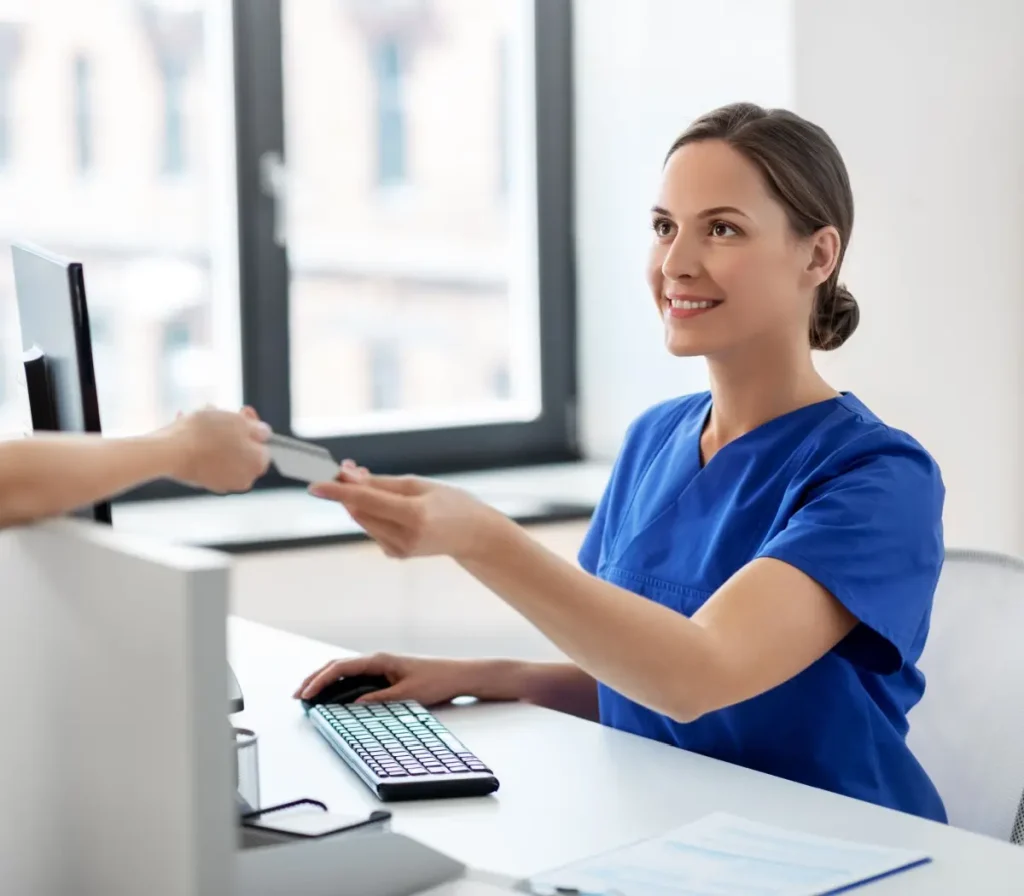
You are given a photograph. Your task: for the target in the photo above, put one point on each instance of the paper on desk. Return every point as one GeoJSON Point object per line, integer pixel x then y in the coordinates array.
{"type": "Point", "coordinates": [476, 883]}
{"type": "Point", "coordinates": [722, 855]}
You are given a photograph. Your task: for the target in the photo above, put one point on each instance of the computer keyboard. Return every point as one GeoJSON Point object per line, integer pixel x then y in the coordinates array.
{"type": "Point", "coordinates": [401, 751]}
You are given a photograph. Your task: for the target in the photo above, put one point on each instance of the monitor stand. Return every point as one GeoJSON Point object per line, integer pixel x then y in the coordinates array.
{"type": "Point", "coordinates": [235, 701]}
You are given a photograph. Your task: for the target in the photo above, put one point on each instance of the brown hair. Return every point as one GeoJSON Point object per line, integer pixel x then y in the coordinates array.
{"type": "Point", "coordinates": [803, 169]}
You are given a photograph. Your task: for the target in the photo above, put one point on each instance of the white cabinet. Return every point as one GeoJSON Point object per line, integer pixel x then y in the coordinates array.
{"type": "Point", "coordinates": [351, 594]}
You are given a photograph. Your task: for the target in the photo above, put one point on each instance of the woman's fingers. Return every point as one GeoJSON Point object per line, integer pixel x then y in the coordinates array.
{"type": "Point", "coordinates": [310, 677]}
{"type": "Point", "coordinates": [368, 500]}
{"type": "Point", "coordinates": [360, 665]}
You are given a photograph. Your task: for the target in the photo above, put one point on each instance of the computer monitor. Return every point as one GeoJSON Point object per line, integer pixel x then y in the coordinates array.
{"type": "Point", "coordinates": [57, 346]}
{"type": "Point", "coordinates": [59, 371]}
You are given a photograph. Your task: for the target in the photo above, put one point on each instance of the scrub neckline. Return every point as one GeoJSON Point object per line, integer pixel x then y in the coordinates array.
{"type": "Point", "coordinates": [706, 417]}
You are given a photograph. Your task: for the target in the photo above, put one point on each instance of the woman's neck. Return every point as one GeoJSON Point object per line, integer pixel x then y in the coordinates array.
{"type": "Point", "coordinates": [751, 387]}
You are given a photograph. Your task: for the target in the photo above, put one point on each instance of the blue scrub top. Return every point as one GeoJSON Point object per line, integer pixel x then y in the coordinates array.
{"type": "Point", "coordinates": [833, 491]}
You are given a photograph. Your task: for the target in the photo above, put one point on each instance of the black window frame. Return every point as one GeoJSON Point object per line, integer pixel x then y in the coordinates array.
{"type": "Point", "coordinates": [264, 275]}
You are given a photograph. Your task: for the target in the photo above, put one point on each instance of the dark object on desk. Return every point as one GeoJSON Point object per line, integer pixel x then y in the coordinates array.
{"type": "Point", "coordinates": [303, 819]}
{"type": "Point", "coordinates": [398, 749]}
{"type": "Point", "coordinates": [235, 701]}
{"type": "Point", "coordinates": [348, 689]}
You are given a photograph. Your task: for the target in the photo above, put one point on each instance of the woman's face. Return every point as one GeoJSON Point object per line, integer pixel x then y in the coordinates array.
{"type": "Point", "coordinates": [725, 266]}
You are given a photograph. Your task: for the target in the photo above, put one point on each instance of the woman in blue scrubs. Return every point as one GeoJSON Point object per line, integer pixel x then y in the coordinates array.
{"type": "Point", "coordinates": [757, 579]}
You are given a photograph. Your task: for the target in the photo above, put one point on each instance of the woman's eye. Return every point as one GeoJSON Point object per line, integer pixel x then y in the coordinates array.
{"type": "Point", "coordinates": [662, 227]}
{"type": "Point", "coordinates": [723, 228]}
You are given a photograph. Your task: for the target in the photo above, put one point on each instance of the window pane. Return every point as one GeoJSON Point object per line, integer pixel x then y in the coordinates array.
{"type": "Point", "coordinates": [116, 149]}
{"type": "Point", "coordinates": [411, 213]}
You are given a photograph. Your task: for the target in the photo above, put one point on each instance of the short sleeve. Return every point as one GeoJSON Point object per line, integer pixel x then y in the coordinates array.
{"type": "Point", "coordinates": [589, 556]}
{"type": "Point", "coordinates": [870, 532]}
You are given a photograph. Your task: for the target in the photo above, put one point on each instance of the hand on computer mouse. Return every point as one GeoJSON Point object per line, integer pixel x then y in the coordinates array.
{"type": "Point", "coordinates": [220, 451]}
{"type": "Point", "coordinates": [429, 681]}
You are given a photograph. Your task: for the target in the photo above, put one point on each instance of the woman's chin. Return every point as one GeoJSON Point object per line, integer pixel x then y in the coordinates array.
{"type": "Point", "coordinates": [685, 345]}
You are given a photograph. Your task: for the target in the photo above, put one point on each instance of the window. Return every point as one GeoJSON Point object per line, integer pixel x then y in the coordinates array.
{"type": "Point", "coordinates": [502, 102]}
{"type": "Point", "coordinates": [6, 116]}
{"type": "Point", "coordinates": [173, 157]}
{"type": "Point", "coordinates": [11, 49]}
{"type": "Point", "coordinates": [285, 264]}
{"type": "Point", "coordinates": [82, 93]}
{"type": "Point", "coordinates": [385, 375]}
{"type": "Point", "coordinates": [154, 251]}
{"type": "Point", "coordinates": [455, 278]}
{"type": "Point", "coordinates": [387, 70]}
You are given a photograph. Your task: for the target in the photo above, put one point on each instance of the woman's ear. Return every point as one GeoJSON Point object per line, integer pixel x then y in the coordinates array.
{"type": "Point", "coordinates": [826, 248]}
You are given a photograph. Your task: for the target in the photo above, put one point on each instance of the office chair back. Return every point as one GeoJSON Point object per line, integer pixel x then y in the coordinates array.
{"type": "Point", "coordinates": [968, 729]}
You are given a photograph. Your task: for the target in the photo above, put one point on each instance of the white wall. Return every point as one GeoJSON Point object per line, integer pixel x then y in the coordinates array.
{"type": "Point", "coordinates": [643, 70]}
{"type": "Point", "coordinates": [925, 99]}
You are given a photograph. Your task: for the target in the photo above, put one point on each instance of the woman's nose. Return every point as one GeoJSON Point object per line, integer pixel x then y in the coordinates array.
{"type": "Point", "coordinates": [682, 261]}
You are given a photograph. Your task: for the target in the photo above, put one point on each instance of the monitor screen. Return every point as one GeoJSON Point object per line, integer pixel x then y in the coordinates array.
{"type": "Point", "coordinates": [57, 347]}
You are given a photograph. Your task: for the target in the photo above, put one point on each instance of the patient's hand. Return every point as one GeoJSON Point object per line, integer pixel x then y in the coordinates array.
{"type": "Point", "coordinates": [220, 451]}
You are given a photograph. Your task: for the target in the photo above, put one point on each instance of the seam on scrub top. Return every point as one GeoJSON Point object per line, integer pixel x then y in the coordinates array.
{"type": "Point", "coordinates": [664, 584]}
{"type": "Point", "coordinates": [673, 425]}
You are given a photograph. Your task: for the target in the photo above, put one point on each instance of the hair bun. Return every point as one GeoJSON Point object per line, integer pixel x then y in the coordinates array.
{"type": "Point", "coordinates": [836, 317]}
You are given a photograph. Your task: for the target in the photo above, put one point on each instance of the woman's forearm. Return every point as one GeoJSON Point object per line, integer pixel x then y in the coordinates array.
{"type": "Point", "coordinates": [48, 475]}
{"type": "Point", "coordinates": [561, 686]}
{"type": "Point", "coordinates": [652, 654]}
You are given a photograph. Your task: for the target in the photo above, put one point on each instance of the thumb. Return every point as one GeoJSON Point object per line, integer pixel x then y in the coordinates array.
{"type": "Point", "coordinates": [258, 429]}
{"type": "Point", "coordinates": [332, 491]}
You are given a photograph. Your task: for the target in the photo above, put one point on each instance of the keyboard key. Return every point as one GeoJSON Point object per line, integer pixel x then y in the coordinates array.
{"type": "Point", "coordinates": [452, 743]}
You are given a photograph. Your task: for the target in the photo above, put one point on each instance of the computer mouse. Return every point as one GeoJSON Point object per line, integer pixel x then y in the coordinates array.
{"type": "Point", "coordinates": [349, 688]}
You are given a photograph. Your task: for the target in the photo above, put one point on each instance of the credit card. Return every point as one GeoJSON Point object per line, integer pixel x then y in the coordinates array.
{"type": "Point", "coordinates": [301, 460]}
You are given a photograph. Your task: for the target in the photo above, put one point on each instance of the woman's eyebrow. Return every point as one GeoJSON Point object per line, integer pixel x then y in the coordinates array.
{"type": "Point", "coordinates": [707, 213]}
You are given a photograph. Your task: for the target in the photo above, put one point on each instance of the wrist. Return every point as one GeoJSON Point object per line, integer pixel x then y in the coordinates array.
{"type": "Point", "coordinates": [168, 450]}
{"type": "Point", "coordinates": [491, 532]}
{"type": "Point", "coordinates": [500, 679]}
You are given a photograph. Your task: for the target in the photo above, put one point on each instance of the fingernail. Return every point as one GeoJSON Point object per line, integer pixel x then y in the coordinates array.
{"type": "Point", "coordinates": [263, 428]}
{"type": "Point", "coordinates": [317, 491]}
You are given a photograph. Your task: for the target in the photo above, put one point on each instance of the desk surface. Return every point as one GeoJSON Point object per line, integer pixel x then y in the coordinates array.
{"type": "Point", "coordinates": [263, 519]}
{"type": "Point", "coordinates": [570, 788]}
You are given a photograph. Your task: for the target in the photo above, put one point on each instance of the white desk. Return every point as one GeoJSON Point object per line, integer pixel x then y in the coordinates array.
{"type": "Point", "coordinates": [570, 788]}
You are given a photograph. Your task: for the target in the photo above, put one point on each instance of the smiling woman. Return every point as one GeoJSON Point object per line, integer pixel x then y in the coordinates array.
{"type": "Point", "coordinates": [757, 579]}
